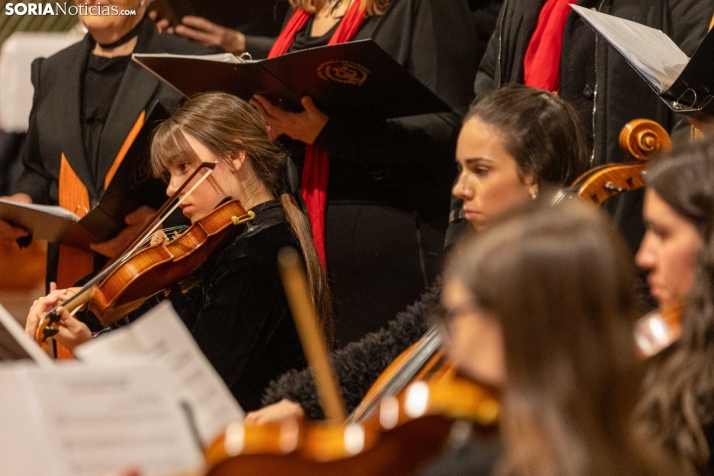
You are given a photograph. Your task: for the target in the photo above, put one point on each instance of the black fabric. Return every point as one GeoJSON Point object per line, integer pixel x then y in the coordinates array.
{"type": "Point", "coordinates": [239, 315]}
{"type": "Point", "coordinates": [603, 88]}
{"type": "Point", "coordinates": [360, 363]}
{"type": "Point", "coordinates": [55, 119]}
{"type": "Point", "coordinates": [406, 163]}
{"type": "Point", "coordinates": [709, 435]}
{"type": "Point", "coordinates": [304, 40]}
{"type": "Point", "coordinates": [473, 458]}
{"type": "Point", "coordinates": [101, 83]}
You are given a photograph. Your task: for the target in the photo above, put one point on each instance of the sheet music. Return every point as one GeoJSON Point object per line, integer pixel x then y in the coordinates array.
{"type": "Point", "coordinates": [218, 57]}
{"type": "Point", "coordinates": [49, 209]}
{"type": "Point", "coordinates": [77, 420]}
{"type": "Point", "coordinates": [160, 336]}
{"type": "Point", "coordinates": [13, 335]}
{"type": "Point", "coordinates": [648, 50]}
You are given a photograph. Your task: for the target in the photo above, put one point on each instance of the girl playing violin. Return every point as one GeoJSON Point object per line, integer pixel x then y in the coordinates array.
{"type": "Point", "coordinates": [541, 305]}
{"type": "Point", "coordinates": [677, 408]}
{"type": "Point", "coordinates": [238, 314]}
{"type": "Point", "coordinates": [512, 143]}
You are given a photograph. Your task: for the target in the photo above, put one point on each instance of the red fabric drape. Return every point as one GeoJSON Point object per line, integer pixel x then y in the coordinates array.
{"type": "Point", "coordinates": [541, 65]}
{"type": "Point", "coordinates": [316, 170]}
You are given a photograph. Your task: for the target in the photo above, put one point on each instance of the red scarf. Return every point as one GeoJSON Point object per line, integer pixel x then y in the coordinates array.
{"type": "Point", "coordinates": [541, 65]}
{"type": "Point", "coordinates": [317, 161]}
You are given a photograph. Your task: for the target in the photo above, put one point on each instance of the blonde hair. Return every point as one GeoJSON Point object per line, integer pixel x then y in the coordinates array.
{"type": "Point", "coordinates": [227, 125]}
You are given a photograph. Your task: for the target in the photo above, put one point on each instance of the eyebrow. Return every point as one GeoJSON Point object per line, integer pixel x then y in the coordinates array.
{"type": "Point", "coordinates": [473, 160]}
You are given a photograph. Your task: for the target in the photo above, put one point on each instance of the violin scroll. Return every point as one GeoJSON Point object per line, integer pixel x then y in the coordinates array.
{"type": "Point", "coordinates": [643, 138]}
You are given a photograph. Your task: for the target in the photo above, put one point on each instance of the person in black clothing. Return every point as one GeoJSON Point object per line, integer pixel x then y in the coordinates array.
{"type": "Point", "coordinates": [677, 408]}
{"type": "Point", "coordinates": [238, 314]}
{"type": "Point", "coordinates": [87, 99]}
{"type": "Point", "coordinates": [505, 157]}
{"type": "Point", "coordinates": [594, 78]}
{"type": "Point", "coordinates": [387, 199]}
{"type": "Point", "coordinates": [541, 306]}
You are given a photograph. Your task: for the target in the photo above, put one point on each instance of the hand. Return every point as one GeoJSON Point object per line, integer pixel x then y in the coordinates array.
{"type": "Point", "coordinates": [42, 306]}
{"type": "Point", "coordinates": [276, 413]}
{"type": "Point", "coordinates": [135, 221]}
{"type": "Point", "coordinates": [208, 33]}
{"type": "Point", "coordinates": [162, 24]}
{"type": "Point", "coordinates": [8, 231]}
{"type": "Point", "coordinates": [303, 126]}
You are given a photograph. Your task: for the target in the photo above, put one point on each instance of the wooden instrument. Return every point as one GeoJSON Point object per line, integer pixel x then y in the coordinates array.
{"type": "Point", "coordinates": [407, 431]}
{"type": "Point", "coordinates": [641, 139]}
{"type": "Point", "coordinates": [657, 330]}
{"type": "Point", "coordinates": [145, 271]}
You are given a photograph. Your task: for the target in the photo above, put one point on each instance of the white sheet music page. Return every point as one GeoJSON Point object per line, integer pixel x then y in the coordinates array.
{"type": "Point", "coordinates": [159, 335]}
{"type": "Point", "coordinates": [77, 420]}
{"type": "Point", "coordinates": [652, 53]}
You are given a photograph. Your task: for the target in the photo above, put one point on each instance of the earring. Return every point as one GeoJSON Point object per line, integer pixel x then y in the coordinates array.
{"type": "Point", "coordinates": [534, 195]}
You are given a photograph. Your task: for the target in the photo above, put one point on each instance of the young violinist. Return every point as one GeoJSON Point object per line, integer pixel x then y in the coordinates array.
{"type": "Point", "coordinates": [677, 408]}
{"type": "Point", "coordinates": [512, 143]}
{"type": "Point", "coordinates": [238, 314]}
{"type": "Point", "coordinates": [540, 305]}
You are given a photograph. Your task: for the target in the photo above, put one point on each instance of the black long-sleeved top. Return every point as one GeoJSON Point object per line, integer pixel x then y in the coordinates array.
{"type": "Point", "coordinates": [239, 314]}
{"type": "Point", "coordinates": [407, 163]}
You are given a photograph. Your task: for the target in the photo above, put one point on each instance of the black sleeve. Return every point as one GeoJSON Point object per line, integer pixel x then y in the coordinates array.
{"type": "Point", "coordinates": [360, 363]}
{"type": "Point", "coordinates": [486, 75]}
{"type": "Point", "coordinates": [258, 46]}
{"type": "Point", "coordinates": [237, 305]}
{"type": "Point", "coordinates": [35, 180]}
{"type": "Point", "coordinates": [690, 19]}
{"type": "Point", "coordinates": [442, 55]}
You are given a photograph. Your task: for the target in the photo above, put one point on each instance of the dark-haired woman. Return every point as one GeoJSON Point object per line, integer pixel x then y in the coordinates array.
{"type": "Point", "coordinates": [505, 158]}
{"type": "Point", "coordinates": [677, 408]}
{"type": "Point", "coordinates": [238, 314]}
{"type": "Point", "coordinates": [550, 326]}
{"type": "Point", "coordinates": [380, 201]}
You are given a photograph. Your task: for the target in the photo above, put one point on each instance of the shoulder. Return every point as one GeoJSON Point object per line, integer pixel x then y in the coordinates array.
{"type": "Point", "coordinates": [59, 60]}
{"type": "Point", "coordinates": [255, 253]}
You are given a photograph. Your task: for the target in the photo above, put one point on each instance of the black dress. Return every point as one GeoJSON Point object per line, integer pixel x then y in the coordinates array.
{"type": "Point", "coordinates": [239, 314]}
{"type": "Point", "coordinates": [390, 181]}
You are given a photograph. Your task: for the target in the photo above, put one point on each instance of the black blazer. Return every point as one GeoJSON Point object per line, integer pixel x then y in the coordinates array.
{"type": "Point", "coordinates": [55, 126]}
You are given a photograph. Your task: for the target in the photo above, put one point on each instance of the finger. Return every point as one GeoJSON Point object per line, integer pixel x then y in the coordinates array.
{"type": "Point", "coordinates": [259, 107]}
{"type": "Point", "coordinates": [53, 287]}
{"type": "Point", "coordinates": [201, 23]}
{"type": "Point", "coordinates": [308, 104]}
{"type": "Point", "coordinates": [163, 25]}
{"type": "Point", "coordinates": [207, 39]}
{"type": "Point", "coordinates": [153, 15]}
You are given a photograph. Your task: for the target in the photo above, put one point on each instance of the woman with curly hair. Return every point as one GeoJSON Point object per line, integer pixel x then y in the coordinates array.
{"type": "Point", "coordinates": [678, 251]}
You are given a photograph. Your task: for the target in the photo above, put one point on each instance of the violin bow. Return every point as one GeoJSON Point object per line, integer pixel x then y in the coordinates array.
{"type": "Point", "coordinates": [311, 336]}
{"type": "Point", "coordinates": [48, 325]}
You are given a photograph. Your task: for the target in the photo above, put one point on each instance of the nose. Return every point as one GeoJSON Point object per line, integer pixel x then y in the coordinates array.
{"type": "Point", "coordinates": [646, 257]}
{"type": "Point", "coordinates": [462, 189]}
{"type": "Point", "coordinates": [172, 186]}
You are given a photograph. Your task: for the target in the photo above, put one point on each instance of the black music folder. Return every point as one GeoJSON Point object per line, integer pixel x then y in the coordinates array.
{"type": "Point", "coordinates": [124, 195]}
{"type": "Point", "coordinates": [685, 85]}
{"type": "Point", "coordinates": [356, 79]}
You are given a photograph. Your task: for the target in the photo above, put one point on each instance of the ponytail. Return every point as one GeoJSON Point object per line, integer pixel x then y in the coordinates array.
{"type": "Point", "coordinates": [316, 279]}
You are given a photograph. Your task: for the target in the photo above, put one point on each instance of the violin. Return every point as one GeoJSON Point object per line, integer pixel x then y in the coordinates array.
{"type": "Point", "coordinates": [405, 432]}
{"type": "Point", "coordinates": [641, 139]}
{"type": "Point", "coordinates": [150, 265]}
{"type": "Point", "coordinates": [657, 330]}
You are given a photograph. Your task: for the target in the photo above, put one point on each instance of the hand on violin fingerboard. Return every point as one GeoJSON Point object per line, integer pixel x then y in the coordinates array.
{"type": "Point", "coordinates": [284, 410]}
{"type": "Point", "coordinates": [136, 221]}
